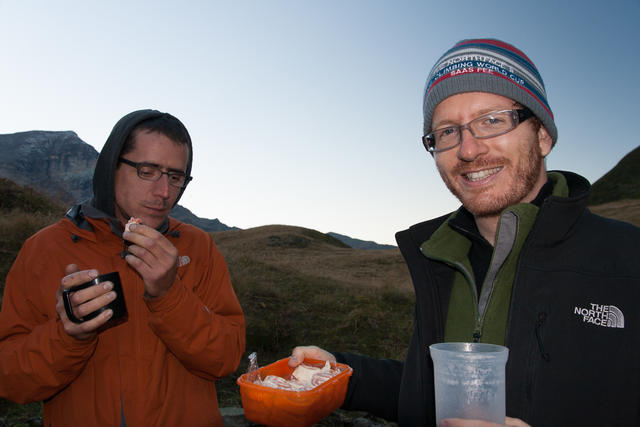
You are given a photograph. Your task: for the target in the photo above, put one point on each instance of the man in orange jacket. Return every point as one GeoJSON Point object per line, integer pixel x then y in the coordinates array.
{"type": "Point", "coordinates": [185, 327]}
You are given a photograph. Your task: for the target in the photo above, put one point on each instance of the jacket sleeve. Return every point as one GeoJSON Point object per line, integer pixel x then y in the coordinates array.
{"type": "Point", "coordinates": [37, 357]}
{"type": "Point", "coordinates": [374, 385]}
{"type": "Point", "coordinates": [202, 324]}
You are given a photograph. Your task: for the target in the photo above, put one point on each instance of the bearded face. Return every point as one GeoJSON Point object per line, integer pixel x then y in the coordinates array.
{"type": "Point", "coordinates": [518, 182]}
{"type": "Point", "coordinates": [488, 175]}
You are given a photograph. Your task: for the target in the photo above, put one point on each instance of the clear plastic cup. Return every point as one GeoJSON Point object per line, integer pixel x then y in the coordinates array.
{"type": "Point", "coordinates": [469, 381]}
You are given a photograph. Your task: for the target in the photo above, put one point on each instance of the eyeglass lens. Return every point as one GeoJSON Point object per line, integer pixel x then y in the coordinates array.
{"type": "Point", "coordinates": [153, 173]}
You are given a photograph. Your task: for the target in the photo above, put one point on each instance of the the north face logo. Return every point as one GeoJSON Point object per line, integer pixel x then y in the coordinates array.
{"type": "Point", "coordinates": [601, 315]}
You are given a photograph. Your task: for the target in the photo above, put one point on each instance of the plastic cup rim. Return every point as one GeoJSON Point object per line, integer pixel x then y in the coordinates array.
{"type": "Point", "coordinates": [468, 348]}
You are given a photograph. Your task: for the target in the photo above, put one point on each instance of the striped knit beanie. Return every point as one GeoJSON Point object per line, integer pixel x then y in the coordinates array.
{"type": "Point", "coordinates": [488, 65]}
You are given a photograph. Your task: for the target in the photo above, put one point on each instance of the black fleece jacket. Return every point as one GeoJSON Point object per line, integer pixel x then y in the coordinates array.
{"type": "Point", "coordinates": [573, 330]}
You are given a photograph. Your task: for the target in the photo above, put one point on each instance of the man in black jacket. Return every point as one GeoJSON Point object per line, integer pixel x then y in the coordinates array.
{"type": "Point", "coordinates": [522, 263]}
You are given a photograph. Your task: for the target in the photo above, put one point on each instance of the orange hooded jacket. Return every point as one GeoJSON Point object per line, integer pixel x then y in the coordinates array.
{"type": "Point", "coordinates": [158, 368]}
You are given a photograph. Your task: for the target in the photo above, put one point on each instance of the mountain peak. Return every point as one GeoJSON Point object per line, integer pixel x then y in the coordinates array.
{"type": "Point", "coordinates": [59, 164]}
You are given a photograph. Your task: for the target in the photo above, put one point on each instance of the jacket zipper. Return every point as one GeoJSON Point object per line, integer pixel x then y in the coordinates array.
{"type": "Point", "coordinates": [503, 246]}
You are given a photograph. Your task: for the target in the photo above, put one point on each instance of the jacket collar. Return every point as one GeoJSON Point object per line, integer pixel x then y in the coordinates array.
{"type": "Point", "coordinates": [563, 209]}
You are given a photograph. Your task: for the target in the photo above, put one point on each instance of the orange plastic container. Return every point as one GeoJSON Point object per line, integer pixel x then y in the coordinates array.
{"type": "Point", "coordinates": [286, 408]}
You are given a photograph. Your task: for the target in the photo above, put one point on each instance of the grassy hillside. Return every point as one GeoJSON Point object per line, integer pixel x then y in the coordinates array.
{"type": "Point", "coordinates": [23, 211]}
{"type": "Point", "coordinates": [617, 193]}
{"type": "Point", "coordinates": [621, 182]}
{"type": "Point", "coordinates": [298, 287]}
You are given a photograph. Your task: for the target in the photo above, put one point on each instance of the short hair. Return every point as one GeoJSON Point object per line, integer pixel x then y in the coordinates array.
{"type": "Point", "coordinates": [165, 124]}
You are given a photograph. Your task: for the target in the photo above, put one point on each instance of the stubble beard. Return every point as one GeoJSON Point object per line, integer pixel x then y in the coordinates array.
{"type": "Point", "coordinates": [524, 177]}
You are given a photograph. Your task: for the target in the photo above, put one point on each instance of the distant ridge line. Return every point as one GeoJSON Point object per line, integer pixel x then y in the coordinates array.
{"type": "Point", "coordinates": [360, 244]}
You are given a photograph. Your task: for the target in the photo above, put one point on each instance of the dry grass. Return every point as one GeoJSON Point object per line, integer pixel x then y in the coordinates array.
{"type": "Point", "coordinates": [624, 210]}
{"type": "Point", "coordinates": [302, 251]}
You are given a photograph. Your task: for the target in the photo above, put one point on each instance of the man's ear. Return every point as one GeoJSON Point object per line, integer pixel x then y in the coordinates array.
{"type": "Point", "coordinates": [544, 141]}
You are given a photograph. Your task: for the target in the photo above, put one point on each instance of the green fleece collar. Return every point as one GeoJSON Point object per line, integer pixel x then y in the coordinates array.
{"type": "Point", "coordinates": [560, 185]}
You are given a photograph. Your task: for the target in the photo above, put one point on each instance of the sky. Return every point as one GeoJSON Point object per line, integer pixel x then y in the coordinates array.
{"type": "Point", "coordinates": [309, 113]}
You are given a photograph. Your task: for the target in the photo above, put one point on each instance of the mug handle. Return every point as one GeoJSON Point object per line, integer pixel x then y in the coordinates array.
{"type": "Point", "coordinates": [66, 295]}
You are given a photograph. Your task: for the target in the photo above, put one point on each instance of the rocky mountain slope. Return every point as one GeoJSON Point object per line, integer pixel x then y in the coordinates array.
{"type": "Point", "coordinates": [58, 164]}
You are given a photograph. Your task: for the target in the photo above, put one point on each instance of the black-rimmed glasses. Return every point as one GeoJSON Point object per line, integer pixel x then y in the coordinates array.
{"type": "Point", "coordinates": [152, 172]}
{"type": "Point", "coordinates": [488, 125]}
